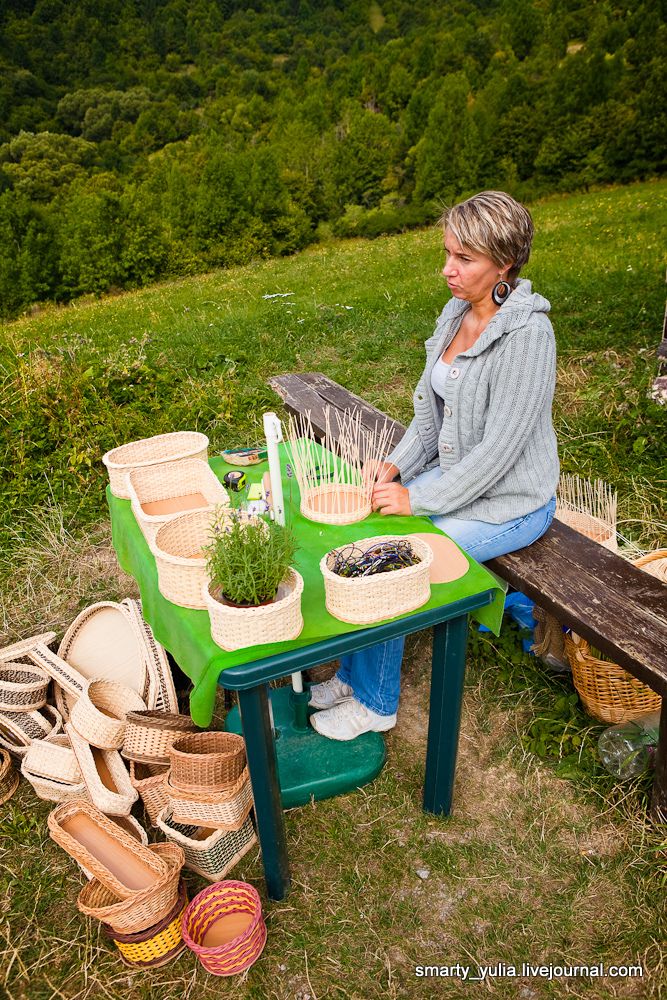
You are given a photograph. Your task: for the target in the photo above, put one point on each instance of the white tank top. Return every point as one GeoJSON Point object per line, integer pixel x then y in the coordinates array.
{"type": "Point", "coordinates": [439, 377]}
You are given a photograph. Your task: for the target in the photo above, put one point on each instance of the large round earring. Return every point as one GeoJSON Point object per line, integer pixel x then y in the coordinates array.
{"type": "Point", "coordinates": [500, 292]}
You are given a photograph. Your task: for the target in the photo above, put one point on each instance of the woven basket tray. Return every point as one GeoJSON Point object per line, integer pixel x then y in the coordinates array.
{"type": "Point", "coordinates": [174, 447]}
{"type": "Point", "coordinates": [220, 811]}
{"type": "Point", "coordinates": [105, 776]}
{"type": "Point", "coordinates": [19, 729]}
{"type": "Point", "coordinates": [158, 944]}
{"type": "Point", "coordinates": [178, 550]}
{"type": "Point", "coordinates": [160, 493]}
{"type": "Point", "coordinates": [207, 762]}
{"type": "Point", "coordinates": [149, 735]}
{"type": "Point", "coordinates": [230, 912]}
{"type": "Point", "coordinates": [111, 854]}
{"type": "Point", "coordinates": [23, 687]}
{"type": "Point", "coordinates": [54, 759]}
{"type": "Point", "coordinates": [211, 853]}
{"type": "Point", "coordinates": [99, 714]}
{"type": "Point", "coordinates": [281, 620]}
{"type": "Point", "coordinates": [131, 826]}
{"type": "Point", "coordinates": [150, 782]}
{"type": "Point", "coordinates": [161, 694]}
{"type": "Point", "coordinates": [607, 692]}
{"type": "Point", "coordinates": [143, 909]}
{"type": "Point", "coordinates": [9, 778]}
{"type": "Point", "coordinates": [363, 600]}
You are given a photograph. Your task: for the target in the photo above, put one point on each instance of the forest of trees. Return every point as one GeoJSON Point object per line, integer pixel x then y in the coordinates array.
{"type": "Point", "coordinates": [142, 139]}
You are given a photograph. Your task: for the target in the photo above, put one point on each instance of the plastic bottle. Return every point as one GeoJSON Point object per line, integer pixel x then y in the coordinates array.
{"type": "Point", "coordinates": [627, 750]}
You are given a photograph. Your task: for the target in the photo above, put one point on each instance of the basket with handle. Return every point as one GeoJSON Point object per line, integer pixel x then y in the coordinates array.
{"type": "Point", "coordinates": [100, 713]}
{"type": "Point", "coordinates": [159, 493]}
{"type": "Point", "coordinates": [9, 778]}
{"type": "Point", "coordinates": [143, 909]}
{"type": "Point", "coordinates": [174, 447]}
{"type": "Point", "coordinates": [608, 692]}
{"type": "Point", "coordinates": [103, 848]}
{"type": "Point", "coordinates": [224, 927]}
{"type": "Point", "coordinates": [209, 852]}
{"type": "Point", "coordinates": [178, 548]}
{"type": "Point", "coordinates": [157, 945]}
{"type": "Point", "coordinates": [19, 729]}
{"type": "Point", "coordinates": [23, 687]}
{"type": "Point", "coordinates": [206, 762]}
{"type": "Point", "coordinates": [105, 776]}
{"type": "Point", "coordinates": [220, 810]}
{"type": "Point", "coordinates": [150, 782]}
{"type": "Point", "coordinates": [149, 735]}
{"type": "Point", "coordinates": [19, 649]}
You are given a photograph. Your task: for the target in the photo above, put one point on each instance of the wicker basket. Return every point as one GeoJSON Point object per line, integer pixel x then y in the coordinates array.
{"type": "Point", "coordinates": [161, 693]}
{"type": "Point", "coordinates": [23, 687]}
{"type": "Point", "coordinates": [18, 650]}
{"type": "Point", "coordinates": [131, 826]}
{"type": "Point", "coordinates": [99, 714]}
{"type": "Point", "coordinates": [654, 563]}
{"type": "Point", "coordinates": [143, 909]}
{"type": "Point", "coordinates": [19, 729]}
{"type": "Point", "coordinates": [103, 848]}
{"type": "Point", "coordinates": [54, 759]}
{"type": "Point", "coordinates": [105, 776]}
{"type": "Point", "coordinates": [51, 790]}
{"type": "Point", "coordinates": [209, 852]}
{"type": "Point", "coordinates": [336, 503]}
{"type": "Point", "coordinates": [68, 679]}
{"type": "Point", "coordinates": [160, 493]}
{"type": "Point", "coordinates": [592, 527]}
{"type": "Point", "coordinates": [181, 566]}
{"type": "Point", "coordinates": [157, 945]}
{"type": "Point", "coordinates": [9, 778]}
{"type": "Point", "coordinates": [149, 735]}
{"type": "Point", "coordinates": [224, 927]}
{"type": "Point", "coordinates": [219, 810]}
{"type": "Point", "coordinates": [149, 781]}
{"type": "Point", "coordinates": [367, 599]}
{"type": "Point", "coordinates": [281, 620]}
{"type": "Point", "coordinates": [607, 692]}
{"type": "Point", "coordinates": [175, 447]}
{"type": "Point", "coordinates": [207, 762]}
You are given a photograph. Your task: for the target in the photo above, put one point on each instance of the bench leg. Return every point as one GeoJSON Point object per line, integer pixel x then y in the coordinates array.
{"type": "Point", "coordinates": [447, 673]}
{"type": "Point", "coordinates": [659, 797]}
{"type": "Point", "coordinates": [263, 767]}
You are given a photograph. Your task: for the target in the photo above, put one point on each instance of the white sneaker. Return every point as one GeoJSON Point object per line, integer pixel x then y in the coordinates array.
{"type": "Point", "coordinates": [329, 693]}
{"type": "Point", "coordinates": [350, 719]}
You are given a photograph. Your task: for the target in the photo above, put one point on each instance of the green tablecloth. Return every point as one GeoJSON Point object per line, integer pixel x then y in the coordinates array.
{"type": "Point", "coordinates": [186, 633]}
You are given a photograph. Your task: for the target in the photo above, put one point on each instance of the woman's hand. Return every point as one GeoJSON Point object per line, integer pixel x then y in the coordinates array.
{"type": "Point", "coordinates": [391, 498]}
{"type": "Point", "coordinates": [379, 472]}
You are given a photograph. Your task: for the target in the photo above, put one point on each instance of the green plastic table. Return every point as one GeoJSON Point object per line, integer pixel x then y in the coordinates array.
{"type": "Point", "coordinates": [186, 634]}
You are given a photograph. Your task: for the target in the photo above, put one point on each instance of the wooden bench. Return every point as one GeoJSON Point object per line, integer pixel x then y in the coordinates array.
{"type": "Point", "coordinates": [620, 609]}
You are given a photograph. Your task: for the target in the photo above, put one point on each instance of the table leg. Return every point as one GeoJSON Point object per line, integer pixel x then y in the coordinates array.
{"type": "Point", "coordinates": [263, 767]}
{"type": "Point", "coordinates": [447, 673]}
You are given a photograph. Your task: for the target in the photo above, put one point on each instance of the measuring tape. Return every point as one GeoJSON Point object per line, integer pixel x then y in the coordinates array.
{"type": "Point", "coordinates": [235, 481]}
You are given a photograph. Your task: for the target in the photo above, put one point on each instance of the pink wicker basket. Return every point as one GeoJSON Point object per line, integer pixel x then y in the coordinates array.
{"type": "Point", "coordinates": [224, 927]}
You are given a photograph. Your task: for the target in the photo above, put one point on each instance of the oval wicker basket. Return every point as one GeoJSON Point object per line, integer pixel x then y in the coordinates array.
{"type": "Point", "coordinates": [54, 759]}
{"type": "Point", "coordinates": [207, 762]}
{"type": "Point", "coordinates": [654, 563]}
{"type": "Point", "coordinates": [224, 927]}
{"type": "Point", "coordinates": [607, 692]}
{"type": "Point", "coordinates": [220, 810]}
{"type": "Point", "coordinates": [99, 714]}
{"type": "Point", "coordinates": [19, 729]}
{"type": "Point", "coordinates": [160, 493]}
{"type": "Point", "coordinates": [143, 909]}
{"type": "Point", "coordinates": [131, 826]}
{"type": "Point", "coordinates": [23, 687]}
{"type": "Point", "coordinates": [104, 775]}
{"type": "Point", "coordinates": [157, 945]}
{"type": "Point", "coordinates": [9, 778]}
{"type": "Point", "coordinates": [337, 503]}
{"type": "Point", "coordinates": [149, 735]}
{"type": "Point", "coordinates": [174, 447]}
{"type": "Point", "coordinates": [209, 852]}
{"type": "Point", "coordinates": [150, 782]}
{"type": "Point", "coordinates": [178, 550]}
{"type": "Point", "coordinates": [366, 599]}
{"type": "Point", "coordinates": [281, 620]}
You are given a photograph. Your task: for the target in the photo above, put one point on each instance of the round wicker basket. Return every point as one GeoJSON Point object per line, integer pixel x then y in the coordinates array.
{"type": "Point", "coordinates": [181, 566]}
{"type": "Point", "coordinates": [281, 620]}
{"type": "Point", "coordinates": [607, 692]}
{"type": "Point", "coordinates": [224, 927]}
{"type": "Point", "coordinates": [336, 503]}
{"type": "Point", "coordinates": [173, 447]}
{"type": "Point", "coordinates": [23, 687]}
{"type": "Point", "coordinates": [366, 599]}
{"type": "Point", "coordinates": [149, 735]}
{"type": "Point", "coordinates": [207, 762]}
{"type": "Point", "coordinates": [158, 944]}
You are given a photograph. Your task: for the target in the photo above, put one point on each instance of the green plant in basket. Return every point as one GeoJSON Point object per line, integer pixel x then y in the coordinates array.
{"type": "Point", "coordinates": [248, 558]}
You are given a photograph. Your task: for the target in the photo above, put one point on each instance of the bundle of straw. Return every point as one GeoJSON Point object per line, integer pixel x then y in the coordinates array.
{"type": "Point", "coordinates": [589, 508]}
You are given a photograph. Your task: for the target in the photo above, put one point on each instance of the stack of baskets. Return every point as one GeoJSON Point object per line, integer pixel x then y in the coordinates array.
{"type": "Point", "coordinates": [148, 739]}
{"type": "Point", "coordinates": [209, 802]}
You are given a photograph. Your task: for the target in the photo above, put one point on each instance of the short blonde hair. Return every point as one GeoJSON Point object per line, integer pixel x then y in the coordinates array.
{"type": "Point", "coordinates": [494, 224]}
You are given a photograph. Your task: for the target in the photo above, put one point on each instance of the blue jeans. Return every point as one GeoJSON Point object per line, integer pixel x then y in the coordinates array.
{"type": "Point", "coordinates": [374, 674]}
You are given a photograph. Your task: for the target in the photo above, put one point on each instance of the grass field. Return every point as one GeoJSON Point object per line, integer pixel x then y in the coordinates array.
{"type": "Point", "coordinates": [545, 860]}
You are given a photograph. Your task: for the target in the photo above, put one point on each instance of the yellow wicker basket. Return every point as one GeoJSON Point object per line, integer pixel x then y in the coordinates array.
{"type": "Point", "coordinates": [608, 692]}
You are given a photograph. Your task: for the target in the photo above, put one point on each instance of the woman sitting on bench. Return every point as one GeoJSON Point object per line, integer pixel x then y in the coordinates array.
{"type": "Point", "coordinates": [479, 457]}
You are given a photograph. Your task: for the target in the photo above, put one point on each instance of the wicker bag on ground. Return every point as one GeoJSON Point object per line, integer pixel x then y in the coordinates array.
{"type": "Point", "coordinates": [150, 782]}
{"type": "Point", "coordinates": [608, 692]}
{"type": "Point", "coordinates": [111, 854]}
{"type": "Point", "coordinates": [207, 762]}
{"type": "Point", "coordinates": [23, 687]}
{"type": "Point", "coordinates": [174, 447]}
{"type": "Point", "coordinates": [219, 810]}
{"type": "Point", "coordinates": [224, 927]}
{"type": "Point", "coordinates": [157, 945]}
{"type": "Point", "coordinates": [143, 909]}
{"type": "Point", "coordinates": [99, 714]}
{"type": "Point", "coordinates": [159, 493]}
{"type": "Point", "coordinates": [9, 778]}
{"type": "Point", "coordinates": [19, 729]}
{"type": "Point", "coordinates": [149, 735]}
{"type": "Point", "coordinates": [211, 853]}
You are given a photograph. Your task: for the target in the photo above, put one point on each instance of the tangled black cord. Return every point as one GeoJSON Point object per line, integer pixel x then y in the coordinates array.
{"type": "Point", "coordinates": [382, 557]}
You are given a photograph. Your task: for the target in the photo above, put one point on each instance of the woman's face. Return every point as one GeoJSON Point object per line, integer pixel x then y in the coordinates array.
{"type": "Point", "coordinates": [470, 275]}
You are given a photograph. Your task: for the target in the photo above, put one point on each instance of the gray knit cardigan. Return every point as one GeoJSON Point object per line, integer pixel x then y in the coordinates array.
{"type": "Point", "coordinates": [492, 435]}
